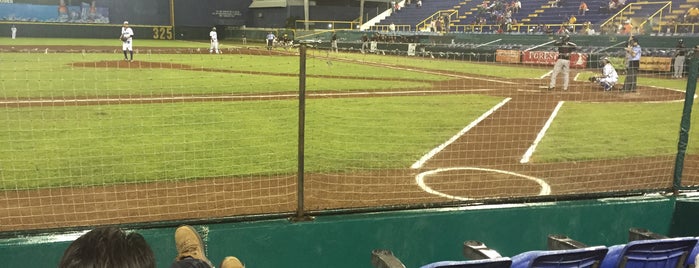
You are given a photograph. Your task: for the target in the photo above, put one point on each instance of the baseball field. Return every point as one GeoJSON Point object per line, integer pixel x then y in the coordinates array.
{"type": "Point", "coordinates": [182, 134]}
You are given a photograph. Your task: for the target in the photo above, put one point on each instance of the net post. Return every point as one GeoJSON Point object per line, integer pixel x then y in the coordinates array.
{"type": "Point", "coordinates": [685, 122]}
{"type": "Point", "coordinates": [300, 211]}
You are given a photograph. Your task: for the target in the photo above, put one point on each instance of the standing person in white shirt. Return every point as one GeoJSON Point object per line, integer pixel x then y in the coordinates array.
{"type": "Point", "coordinates": [270, 40]}
{"type": "Point", "coordinates": [127, 41]}
{"type": "Point", "coordinates": [14, 31]}
{"type": "Point", "coordinates": [214, 41]}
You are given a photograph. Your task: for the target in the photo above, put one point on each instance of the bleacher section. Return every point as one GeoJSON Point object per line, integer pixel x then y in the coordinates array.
{"type": "Point", "coordinates": [546, 14]}
{"type": "Point", "coordinates": [541, 12]}
{"type": "Point", "coordinates": [412, 15]}
{"type": "Point", "coordinates": [644, 250]}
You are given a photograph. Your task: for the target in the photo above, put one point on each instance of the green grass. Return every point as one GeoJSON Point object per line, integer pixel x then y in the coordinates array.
{"type": "Point", "coordinates": [588, 131]}
{"type": "Point", "coordinates": [51, 75]}
{"type": "Point", "coordinates": [136, 143]}
{"type": "Point", "coordinates": [52, 146]}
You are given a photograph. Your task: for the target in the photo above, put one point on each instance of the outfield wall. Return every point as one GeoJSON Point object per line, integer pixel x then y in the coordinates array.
{"type": "Point", "coordinates": [416, 237]}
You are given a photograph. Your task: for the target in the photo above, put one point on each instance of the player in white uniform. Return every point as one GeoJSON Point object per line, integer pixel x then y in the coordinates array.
{"type": "Point", "coordinates": [214, 41]}
{"type": "Point", "coordinates": [609, 76]}
{"type": "Point", "coordinates": [127, 41]}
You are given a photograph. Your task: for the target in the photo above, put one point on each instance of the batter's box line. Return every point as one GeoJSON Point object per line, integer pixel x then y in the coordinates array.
{"type": "Point", "coordinates": [463, 131]}
{"type": "Point", "coordinates": [420, 180]}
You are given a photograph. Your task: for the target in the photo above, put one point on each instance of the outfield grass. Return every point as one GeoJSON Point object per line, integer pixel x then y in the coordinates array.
{"type": "Point", "coordinates": [85, 145]}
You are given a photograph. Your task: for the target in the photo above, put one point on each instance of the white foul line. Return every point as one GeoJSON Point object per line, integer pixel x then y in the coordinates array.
{"type": "Point", "coordinates": [546, 74]}
{"type": "Point", "coordinates": [542, 132]}
{"type": "Point", "coordinates": [441, 147]}
{"type": "Point", "coordinates": [237, 97]}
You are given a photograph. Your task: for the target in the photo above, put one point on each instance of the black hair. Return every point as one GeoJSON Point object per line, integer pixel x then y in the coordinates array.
{"type": "Point", "coordinates": [108, 247]}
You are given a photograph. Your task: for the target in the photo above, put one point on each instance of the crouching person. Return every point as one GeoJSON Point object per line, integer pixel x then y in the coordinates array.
{"type": "Point", "coordinates": [609, 76]}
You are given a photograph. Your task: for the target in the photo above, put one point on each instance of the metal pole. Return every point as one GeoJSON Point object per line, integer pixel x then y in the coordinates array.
{"type": "Point", "coordinates": [604, 49]}
{"type": "Point", "coordinates": [685, 123]}
{"type": "Point", "coordinates": [300, 216]}
{"type": "Point", "coordinates": [485, 44]}
{"type": "Point", "coordinates": [305, 14]}
{"type": "Point", "coordinates": [549, 42]}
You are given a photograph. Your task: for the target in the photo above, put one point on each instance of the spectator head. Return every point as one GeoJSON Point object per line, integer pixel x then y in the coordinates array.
{"type": "Point", "coordinates": [108, 247]}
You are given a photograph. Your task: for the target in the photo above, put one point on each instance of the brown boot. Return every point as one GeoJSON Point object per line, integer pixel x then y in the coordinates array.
{"type": "Point", "coordinates": [231, 262]}
{"type": "Point", "coordinates": [189, 244]}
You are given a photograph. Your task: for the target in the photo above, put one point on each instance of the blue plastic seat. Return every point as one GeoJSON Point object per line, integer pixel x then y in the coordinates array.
{"type": "Point", "coordinates": [654, 253]}
{"type": "Point", "coordinates": [692, 260]}
{"type": "Point", "coordinates": [484, 263]}
{"type": "Point", "coordinates": [569, 258]}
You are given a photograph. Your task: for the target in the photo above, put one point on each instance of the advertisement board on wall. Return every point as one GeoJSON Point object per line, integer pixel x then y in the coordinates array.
{"type": "Point", "coordinates": [508, 56]}
{"type": "Point", "coordinates": [577, 60]}
{"type": "Point", "coordinates": [661, 64]}
{"type": "Point", "coordinates": [152, 12]}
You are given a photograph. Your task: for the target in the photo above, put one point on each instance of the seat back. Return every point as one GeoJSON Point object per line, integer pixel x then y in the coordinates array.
{"type": "Point", "coordinates": [571, 258]}
{"type": "Point", "coordinates": [656, 253]}
{"type": "Point", "coordinates": [484, 263]}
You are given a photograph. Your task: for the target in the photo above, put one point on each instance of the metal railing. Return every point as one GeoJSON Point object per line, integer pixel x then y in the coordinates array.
{"type": "Point", "coordinates": [621, 15]}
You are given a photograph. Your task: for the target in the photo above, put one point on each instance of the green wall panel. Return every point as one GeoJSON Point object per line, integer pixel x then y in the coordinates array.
{"type": "Point", "coordinates": [417, 237]}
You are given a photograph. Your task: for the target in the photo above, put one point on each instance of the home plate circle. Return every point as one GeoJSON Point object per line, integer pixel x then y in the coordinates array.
{"type": "Point", "coordinates": [420, 180]}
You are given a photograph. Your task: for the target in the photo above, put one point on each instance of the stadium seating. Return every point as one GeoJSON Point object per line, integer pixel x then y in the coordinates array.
{"type": "Point", "coordinates": [645, 249]}
{"type": "Point", "coordinates": [561, 258]}
{"type": "Point", "coordinates": [569, 258]}
{"type": "Point", "coordinates": [653, 253]}
{"type": "Point", "coordinates": [383, 258]}
{"type": "Point", "coordinates": [485, 263]}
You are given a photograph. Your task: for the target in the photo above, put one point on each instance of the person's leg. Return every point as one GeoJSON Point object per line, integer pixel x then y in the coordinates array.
{"type": "Point", "coordinates": [554, 74]}
{"type": "Point", "coordinates": [630, 82]}
{"type": "Point", "coordinates": [190, 263]}
{"type": "Point", "coordinates": [190, 248]}
{"type": "Point", "coordinates": [679, 66]}
{"type": "Point", "coordinates": [566, 73]}
{"type": "Point", "coordinates": [606, 84]}
{"type": "Point", "coordinates": [231, 262]}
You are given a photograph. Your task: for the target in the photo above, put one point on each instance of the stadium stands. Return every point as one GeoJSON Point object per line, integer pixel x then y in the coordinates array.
{"type": "Point", "coordinates": [541, 12]}
{"type": "Point", "coordinates": [588, 257]}
{"type": "Point", "coordinates": [485, 263]}
{"type": "Point", "coordinates": [645, 249]}
{"type": "Point", "coordinates": [666, 252]}
{"type": "Point", "coordinates": [412, 15]}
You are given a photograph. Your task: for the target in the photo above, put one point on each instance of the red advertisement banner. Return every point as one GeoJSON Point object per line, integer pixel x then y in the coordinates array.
{"type": "Point", "coordinates": [577, 60]}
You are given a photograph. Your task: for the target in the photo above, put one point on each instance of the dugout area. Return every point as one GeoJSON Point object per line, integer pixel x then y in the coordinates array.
{"type": "Point", "coordinates": [418, 236]}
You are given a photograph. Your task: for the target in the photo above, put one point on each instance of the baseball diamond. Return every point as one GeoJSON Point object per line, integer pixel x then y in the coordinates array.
{"type": "Point", "coordinates": [470, 166]}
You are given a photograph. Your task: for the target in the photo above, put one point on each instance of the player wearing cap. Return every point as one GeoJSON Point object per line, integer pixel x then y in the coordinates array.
{"type": "Point", "coordinates": [609, 76]}
{"type": "Point", "coordinates": [680, 53]}
{"type": "Point", "coordinates": [565, 50]}
{"type": "Point", "coordinates": [127, 41]}
{"type": "Point", "coordinates": [214, 41]}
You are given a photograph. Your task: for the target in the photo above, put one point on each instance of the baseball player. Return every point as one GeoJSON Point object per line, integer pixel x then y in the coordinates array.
{"type": "Point", "coordinates": [680, 53]}
{"type": "Point", "coordinates": [609, 76]}
{"type": "Point", "coordinates": [127, 40]}
{"type": "Point", "coordinates": [214, 41]}
{"type": "Point", "coordinates": [13, 29]}
{"type": "Point", "coordinates": [333, 42]}
{"type": "Point", "coordinates": [565, 49]}
{"type": "Point", "coordinates": [270, 40]}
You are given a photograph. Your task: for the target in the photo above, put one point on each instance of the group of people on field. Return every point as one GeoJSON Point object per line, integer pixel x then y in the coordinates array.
{"type": "Point", "coordinates": [609, 76]}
